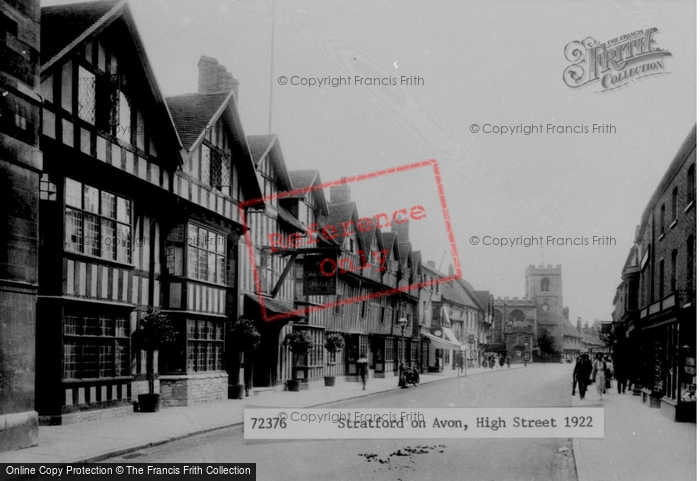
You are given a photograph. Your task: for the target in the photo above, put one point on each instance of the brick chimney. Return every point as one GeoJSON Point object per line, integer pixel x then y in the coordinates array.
{"type": "Point", "coordinates": [214, 77]}
{"type": "Point", "coordinates": [401, 231]}
{"type": "Point", "coordinates": [578, 325]}
{"type": "Point", "coordinates": [341, 194]}
{"type": "Point", "coordinates": [431, 264]}
{"type": "Point", "coordinates": [451, 270]}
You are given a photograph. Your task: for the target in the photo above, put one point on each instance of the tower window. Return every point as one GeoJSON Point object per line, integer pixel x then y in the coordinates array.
{"type": "Point", "coordinates": [544, 285]}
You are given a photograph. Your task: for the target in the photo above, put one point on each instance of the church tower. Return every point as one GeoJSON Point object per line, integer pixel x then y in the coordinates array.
{"type": "Point", "coordinates": [544, 285]}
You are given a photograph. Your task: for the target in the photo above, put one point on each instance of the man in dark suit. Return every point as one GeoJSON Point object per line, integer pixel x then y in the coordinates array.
{"type": "Point", "coordinates": [582, 374]}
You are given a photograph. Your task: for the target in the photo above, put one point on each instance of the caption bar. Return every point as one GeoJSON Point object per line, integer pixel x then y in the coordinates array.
{"type": "Point", "coordinates": [423, 423]}
{"type": "Point", "coordinates": [106, 471]}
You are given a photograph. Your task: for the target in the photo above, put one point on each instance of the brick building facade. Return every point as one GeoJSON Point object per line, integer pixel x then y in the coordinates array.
{"type": "Point", "coordinates": [655, 318]}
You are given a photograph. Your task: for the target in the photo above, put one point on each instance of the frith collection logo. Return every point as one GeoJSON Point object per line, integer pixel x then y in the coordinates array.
{"type": "Point", "coordinates": [614, 63]}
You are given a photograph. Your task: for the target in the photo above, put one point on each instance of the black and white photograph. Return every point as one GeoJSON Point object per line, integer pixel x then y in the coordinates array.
{"type": "Point", "coordinates": [348, 240]}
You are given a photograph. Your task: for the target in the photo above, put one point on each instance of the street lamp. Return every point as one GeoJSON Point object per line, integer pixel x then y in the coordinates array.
{"type": "Point", "coordinates": [403, 322]}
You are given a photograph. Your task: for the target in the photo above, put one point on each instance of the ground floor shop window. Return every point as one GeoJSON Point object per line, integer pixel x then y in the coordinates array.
{"type": "Point", "coordinates": [314, 357]}
{"type": "Point", "coordinates": [205, 345]}
{"type": "Point", "coordinates": [671, 361]}
{"type": "Point", "coordinates": [95, 344]}
{"type": "Point", "coordinates": [688, 376]}
{"type": "Point", "coordinates": [363, 342]}
{"type": "Point", "coordinates": [389, 349]}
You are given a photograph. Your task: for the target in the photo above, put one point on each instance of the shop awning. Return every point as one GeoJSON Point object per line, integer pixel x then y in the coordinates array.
{"type": "Point", "coordinates": [440, 343]}
{"type": "Point", "coordinates": [276, 310]}
{"type": "Point", "coordinates": [451, 336]}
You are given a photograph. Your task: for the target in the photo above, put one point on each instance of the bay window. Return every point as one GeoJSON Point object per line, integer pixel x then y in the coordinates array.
{"type": "Point", "coordinates": [206, 251]}
{"type": "Point", "coordinates": [98, 223]}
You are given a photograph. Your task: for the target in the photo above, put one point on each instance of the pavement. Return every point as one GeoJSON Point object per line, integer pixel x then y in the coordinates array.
{"type": "Point", "coordinates": [93, 441]}
{"type": "Point", "coordinates": [639, 443]}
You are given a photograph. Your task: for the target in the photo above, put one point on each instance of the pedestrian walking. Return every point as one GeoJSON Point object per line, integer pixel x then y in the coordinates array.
{"type": "Point", "coordinates": [492, 362]}
{"type": "Point", "coordinates": [362, 369]}
{"type": "Point", "coordinates": [609, 373]}
{"type": "Point", "coordinates": [582, 374]}
{"type": "Point", "coordinates": [598, 374]}
{"type": "Point", "coordinates": [508, 361]}
{"type": "Point", "coordinates": [501, 360]}
{"type": "Point", "coordinates": [620, 374]}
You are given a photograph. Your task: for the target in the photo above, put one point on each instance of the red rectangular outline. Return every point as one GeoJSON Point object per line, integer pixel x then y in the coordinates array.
{"type": "Point", "coordinates": [389, 291]}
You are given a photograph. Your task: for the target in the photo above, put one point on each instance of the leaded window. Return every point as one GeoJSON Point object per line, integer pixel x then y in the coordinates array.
{"type": "Point", "coordinates": [205, 345]}
{"type": "Point", "coordinates": [87, 88]}
{"type": "Point", "coordinates": [95, 344]}
{"type": "Point", "coordinates": [206, 251]}
{"type": "Point", "coordinates": [388, 349]}
{"type": "Point", "coordinates": [98, 223]}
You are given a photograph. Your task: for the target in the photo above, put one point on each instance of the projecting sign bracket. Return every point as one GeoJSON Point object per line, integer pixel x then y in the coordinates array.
{"type": "Point", "coordinates": [294, 253]}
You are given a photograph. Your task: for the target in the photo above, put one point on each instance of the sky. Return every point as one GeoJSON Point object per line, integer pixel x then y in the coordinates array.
{"type": "Point", "coordinates": [480, 64]}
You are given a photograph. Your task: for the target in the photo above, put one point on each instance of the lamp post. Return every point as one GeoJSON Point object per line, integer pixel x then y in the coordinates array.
{"type": "Point", "coordinates": [402, 381]}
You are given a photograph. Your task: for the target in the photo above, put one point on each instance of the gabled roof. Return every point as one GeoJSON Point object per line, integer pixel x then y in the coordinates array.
{"type": "Point", "coordinates": [303, 179]}
{"type": "Point", "coordinates": [369, 233]}
{"type": "Point", "coordinates": [390, 241]}
{"type": "Point", "coordinates": [484, 298]}
{"type": "Point", "coordinates": [416, 259]}
{"type": "Point", "coordinates": [404, 254]}
{"type": "Point", "coordinates": [568, 329]}
{"type": "Point", "coordinates": [339, 213]}
{"type": "Point", "coordinates": [472, 294]}
{"type": "Point", "coordinates": [269, 144]}
{"type": "Point", "coordinates": [64, 26]}
{"type": "Point", "coordinates": [192, 113]}
{"type": "Point", "coordinates": [260, 145]}
{"type": "Point", "coordinates": [454, 292]}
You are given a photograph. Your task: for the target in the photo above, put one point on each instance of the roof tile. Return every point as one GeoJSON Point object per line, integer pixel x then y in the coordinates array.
{"type": "Point", "coordinates": [62, 24]}
{"type": "Point", "coordinates": [193, 112]}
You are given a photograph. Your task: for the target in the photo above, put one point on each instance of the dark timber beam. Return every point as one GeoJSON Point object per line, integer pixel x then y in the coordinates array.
{"type": "Point", "coordinates": [286, 270]}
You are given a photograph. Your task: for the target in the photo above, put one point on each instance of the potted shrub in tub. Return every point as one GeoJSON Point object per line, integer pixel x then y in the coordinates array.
{"type": "Point", "coordinates": [334, 343]}
{"type": "Point", "coordinates": [245, 339]}
{"type": "Point", "coordinates": [299, 342]}
{"type": "Point", "coordinates": [156, 331]}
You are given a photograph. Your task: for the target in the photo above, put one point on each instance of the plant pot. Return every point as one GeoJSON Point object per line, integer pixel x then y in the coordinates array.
{"type": "Point", "coordinates": [329, 380]}
{"type": "Point", "coordinates": [235, 391]}
{"type": "Point", "coordinates": [293, 385]}
{"type": "Point", "coordinates": [149, 403]}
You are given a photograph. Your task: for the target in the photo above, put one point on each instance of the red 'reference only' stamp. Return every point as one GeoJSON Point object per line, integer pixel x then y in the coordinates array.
{"type": "Point", "coordinates": [323, 248]}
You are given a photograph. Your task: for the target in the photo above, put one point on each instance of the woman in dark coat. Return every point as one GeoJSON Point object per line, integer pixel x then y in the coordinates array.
{"type": "Point", "coordinates": [582, 373]}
